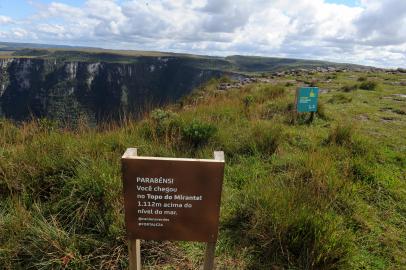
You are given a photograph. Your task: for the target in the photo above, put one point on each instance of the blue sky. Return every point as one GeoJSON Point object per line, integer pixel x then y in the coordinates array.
{"type": "Point", "coordinates": [351, 3]}
{"type": "Point", "coordinates": [21, 8]}
{"type": "Point", "coordinates": [371, 32]}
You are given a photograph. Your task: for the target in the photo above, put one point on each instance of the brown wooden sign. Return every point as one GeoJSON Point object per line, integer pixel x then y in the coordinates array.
{"type": "Point", "coordinates": [172, 199]}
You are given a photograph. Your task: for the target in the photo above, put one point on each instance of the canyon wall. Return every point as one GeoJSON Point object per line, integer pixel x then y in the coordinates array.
{"type": "Point", "coordinates": [97, 91]}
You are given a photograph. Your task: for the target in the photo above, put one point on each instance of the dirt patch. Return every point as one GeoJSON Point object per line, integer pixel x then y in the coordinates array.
{"type": "Point", "coordinates": [397, 97]}
{"type": "Point", "coordinates": [362, 117]}
{"type": "Point", "coordinates": [392, 110]}
{"type": "Point", "coordinates": [387, 119]}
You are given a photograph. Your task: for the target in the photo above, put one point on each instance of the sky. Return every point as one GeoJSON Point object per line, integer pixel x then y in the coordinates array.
{"type": "Point", "coordinates": [369, 32]}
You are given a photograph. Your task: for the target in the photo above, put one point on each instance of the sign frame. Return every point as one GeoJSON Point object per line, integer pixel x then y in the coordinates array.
{"type": "Point", "coordinates": [134, 244]}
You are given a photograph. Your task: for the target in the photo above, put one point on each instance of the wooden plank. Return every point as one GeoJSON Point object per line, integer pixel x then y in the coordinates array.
{"type": "Point", "coordinates": [296, 114]}
{"type": "Point", "coordinates": [130, 152]}
{"type": "Point", "coordinates": [209, 256]}
{"type": "Point", "coordinates": [219, 155]}
{"type": "Point", "coordinates": [134, 254]}
{"type": "Point", "coordinates": [134, 246]}
{"type": "Point", "coordinates": [211, 246]}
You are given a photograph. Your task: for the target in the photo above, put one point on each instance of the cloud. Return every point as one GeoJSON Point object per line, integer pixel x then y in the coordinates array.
{"type": "Point", "coordinates": [5, 20]}
{"type": "Point", "coordinates": [382, 23]}
{"type": "Point", "coordinates": [372, 33]}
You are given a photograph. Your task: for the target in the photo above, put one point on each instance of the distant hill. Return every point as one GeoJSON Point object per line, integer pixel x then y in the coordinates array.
{"type": "Point", "coordinates": [236, 63]}
{"type": "Point", "coordinates": [12, 46]}
{"type": "Point", "coordinates": [70, 83]}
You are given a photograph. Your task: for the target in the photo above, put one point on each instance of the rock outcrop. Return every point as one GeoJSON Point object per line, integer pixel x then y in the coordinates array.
{"type": "Point", "coordinates": [70, 90]}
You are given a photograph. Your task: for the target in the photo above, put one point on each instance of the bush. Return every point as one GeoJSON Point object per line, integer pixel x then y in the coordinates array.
{"type": "Point", "coordinates": [339, 99]}
{"type": "Point", "coordinates": [332, 76]}
{"type": "Point", "coordinates": [247, 101]}
{"type": "Point", "coordinates": [272, 108]}
{"type": "Point", "coordinates": [261, 139]}
{"type": "Point", "coordinates": [162, 125]}
{"type": "Point", "coordinates": [267, 221]}
{"type": "Point", "coordinates": [272, 91]}
{"type": "Point", "coordinates": [368, 85]}
{"type": "Point", "coordinates": [47, 125]}
{"type": "Point", "coordinates": [225, 79]}
{"type": "Point", "coordinates": [349, 88]}
{"type": "Point", "coordinates": [341, 135]}
{"type": "Point", "coordinates": [314, 243]}
{"type": "Point", "coordinates": [321, 111]}
{"type": "Point", "coordinates": [197, 133]}
{"type": "Point", "coordinates": [159, 118]}
{"type": "Point", "coordinates": [362, 79]}
{"type": "Point", "coordinates": [266, 139]}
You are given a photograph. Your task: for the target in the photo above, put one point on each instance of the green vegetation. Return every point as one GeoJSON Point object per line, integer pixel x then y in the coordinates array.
{"type": "Point", "coordinates": [368, 85]}
{"type": "Point", "coordinates": [349, 88]}
{"type": "Point", "coordinates": [330, 194]}
{"type": "Point", "coordinates": [340, 99]}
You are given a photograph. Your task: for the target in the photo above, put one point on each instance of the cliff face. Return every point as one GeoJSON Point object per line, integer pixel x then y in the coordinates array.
{"type": "Point", "coordinates": [96, 91]}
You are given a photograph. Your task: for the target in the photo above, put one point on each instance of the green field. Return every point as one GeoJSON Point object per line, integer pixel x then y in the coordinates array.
{"type": "Point", "coordinates": [330, 194]}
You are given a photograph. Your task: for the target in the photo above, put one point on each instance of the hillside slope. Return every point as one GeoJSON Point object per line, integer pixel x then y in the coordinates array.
{"type": "Point", "coordinates": [324, 195]}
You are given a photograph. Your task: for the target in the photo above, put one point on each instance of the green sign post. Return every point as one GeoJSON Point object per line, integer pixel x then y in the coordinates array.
{"type": "Point", "coordinates": [306, 99]}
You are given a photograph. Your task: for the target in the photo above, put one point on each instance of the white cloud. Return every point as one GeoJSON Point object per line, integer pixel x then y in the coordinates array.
{"type": "Point", "coordinates": [372, 33]}
{"type": "Point", "coordinates": [5, 20]}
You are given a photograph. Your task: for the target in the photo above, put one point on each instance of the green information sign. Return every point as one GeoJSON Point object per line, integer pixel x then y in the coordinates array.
{"type": "Point", "coordinates": [306, 99]}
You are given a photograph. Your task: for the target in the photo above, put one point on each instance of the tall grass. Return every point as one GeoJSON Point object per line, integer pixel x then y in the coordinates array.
{"type": "Point", "coordinates": [318, 196]}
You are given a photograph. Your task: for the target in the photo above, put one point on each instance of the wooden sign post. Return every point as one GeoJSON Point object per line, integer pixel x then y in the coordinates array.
{"type": "Point", "coordinates": [171, 199]}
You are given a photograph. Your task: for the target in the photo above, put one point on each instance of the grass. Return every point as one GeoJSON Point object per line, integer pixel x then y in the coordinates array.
{"type": "Point", "coordinates": [324, 195]}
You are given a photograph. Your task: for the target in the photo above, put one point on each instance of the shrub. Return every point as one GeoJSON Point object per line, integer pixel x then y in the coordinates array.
{"type": "Point", "coordinates": [47, 125]}
{"type": "Point", "coordinates": [197, 133]}
{"type": "Point", "coordinates": [321, 111]}
{"type": "Point", "coordinates": [10, 133]}
{"type": "Point", "coordinates": [362, 79]}
{"type": "Point", "coordinates": [341, 135]}
{"type": "Point", "coordinates": [267, 221]}
{"type": "Point", "coordinates": [272, 108]}
{"type": "Point", "coordinates": [368, 85]}
{"type": "Point", "coordinates": [159, 118]}
{"type": "Point", "coordinates": [164, 125]}
{"type": "Point", "coordinates": [339, 99]}
{"type": "Point", "coordinates": [225, 79]}
{"type": "Point", "coordinates": [247, 101]}
{"type": "Point", "coordinates": [331, 77]}
{"type": "Point", "coordinates": [272, 91]}
{"type": "Point", "coordinates": [266, 139]}
{"type": "Point", "coordinates": [260, 139]}
{"type": "Point", "coordinates": [313, 242]}
{"type": "Point", "coordinates": [349, 88]}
